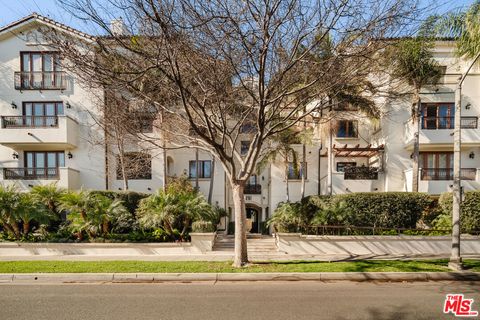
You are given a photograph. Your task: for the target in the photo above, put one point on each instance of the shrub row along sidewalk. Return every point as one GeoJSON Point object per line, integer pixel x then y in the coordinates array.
{"type": "Point", "coordinates": [226, 266]}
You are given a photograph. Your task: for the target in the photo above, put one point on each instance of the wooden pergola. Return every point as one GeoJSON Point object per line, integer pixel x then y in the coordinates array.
{"type": "Point", "coordinates": [357, 151]}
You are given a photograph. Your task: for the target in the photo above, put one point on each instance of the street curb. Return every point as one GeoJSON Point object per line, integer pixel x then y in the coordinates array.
{"type": "Point", "coordinates": [235, 277]}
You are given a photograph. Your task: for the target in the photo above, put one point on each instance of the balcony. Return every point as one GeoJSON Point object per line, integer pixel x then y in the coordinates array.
{"type": "Point", "coordinates": [25, 178]}
{"type": "Point", "coordinates": [31, 173]}
{"type": "Point", "coordinates": [443, 174]}
{"type": "Point", "coordinates": [29, 131]}
{"type": "Point", "coordinates": [253, 189]}
{"type": "Point", "coordinates": [365, 182]}
{"type": "Point", "coordinates": [438, 181]}
{"type": "Point", "coordinates": [360, 173]}
{"type": "Point", "coordinates": [439, 131]}
{"type": "Point", "coordinates": [40, 80]}
{"type": "Point", "coordinates": [29, 122]}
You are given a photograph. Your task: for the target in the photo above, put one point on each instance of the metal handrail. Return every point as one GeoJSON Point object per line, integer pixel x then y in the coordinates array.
{"type": "Point", "coordinates": [31, 173]}
{"type": "Point", "coordinates": [40, 80]}
{"type": "Point", "coordinates": [29, 121]}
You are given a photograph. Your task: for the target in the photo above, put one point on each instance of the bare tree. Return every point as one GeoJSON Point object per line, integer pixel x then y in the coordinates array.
{"type": "Point", "coordinates": [215, 67]}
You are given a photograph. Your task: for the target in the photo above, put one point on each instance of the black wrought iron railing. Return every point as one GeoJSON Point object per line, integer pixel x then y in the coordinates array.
{"type": "Point", "coordinates": [360, 173]}
{"type": "Point", "coordinates": [435, 123]}
{"type": "Point", "coordinates": [40, 80]}
{"type": "Point", "coordinates": [252, 189]}
{"type": "Point", "coordinates": [29, 121]}
{"type": "Point", "coordinates": [447, 173]}
{"type": "Point", "coordinates": [31, 173]}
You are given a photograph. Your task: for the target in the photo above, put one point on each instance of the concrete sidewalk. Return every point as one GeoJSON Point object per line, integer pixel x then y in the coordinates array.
{"type": "Point", "coordinates": [225, 256]}
{"type": "Point", "coordinates": [228, 277]}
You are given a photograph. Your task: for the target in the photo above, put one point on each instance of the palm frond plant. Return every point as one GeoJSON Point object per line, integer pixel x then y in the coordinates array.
{"type": "Point", "coordinates": [49, 195]}
{"type": "Point", "coordinates": [8, 201]}
{"type": "Point", "coordinates": [27, 209]}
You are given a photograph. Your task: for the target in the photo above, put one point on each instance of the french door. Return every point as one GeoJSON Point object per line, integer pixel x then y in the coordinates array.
{"type": "Point", "coordinates": [437, 165]}
{"type": "Point", "coordinates": [39, 69]}
{"type": "Point", "coordinates": [44, 164]}
{"type": "Point", "coordinates": [42, 114]}
{"type": "Point", "coordinates": [438, 116]}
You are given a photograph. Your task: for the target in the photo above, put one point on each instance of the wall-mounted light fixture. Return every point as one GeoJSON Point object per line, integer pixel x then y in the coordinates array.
{"type": "Point", "coordinates": [15, 155]}
{"type": "Point", "coordinates": [68, 105]}
{"type": "Point", "coordinates": [467, 107]}
{"type": "Point", "coordinates": [471, 155]}
{"type": "Point", "coordinates": [120, 189]}
{"type": "Point", "coordinates": [411, 156]}
{"type": "Point", "coordinates": [149, 189]}
{"type": "Point", "coordinates": [69, 155]}
{"type": "Point", "coordinates": [14, 105]}
{"type": "Point", "coordinates": [263, 178]}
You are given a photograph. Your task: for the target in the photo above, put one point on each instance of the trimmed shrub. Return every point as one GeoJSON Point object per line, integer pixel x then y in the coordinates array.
{"type": "Point", "coordinates": [379, 210]}
{"type": "Point", "coordinates": [203, 226]}
{"type": "Point", "coordinates": [470, 218]}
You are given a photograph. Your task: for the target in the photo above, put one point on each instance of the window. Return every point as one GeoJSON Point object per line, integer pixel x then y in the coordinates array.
{"type": "Point", "coordinates": [204, 169]}
{"type": "Point", "coordinates": [40, 70]}
{"type": "Point", "coordinates": [244, 146]}
{"type": "Point", "coordinates": [43, 164]}
{"type": "Point", "coordinates": [248, 128]}
{"type": "Point", "coordinates": [438, 116]}
{"type": "Point", "coordinates": [436, 165]}
{"type": "Point", "coordinates": [341, 165]}
{"type": "Point", "coordinates": [296, 174]}
{"type": "Point", "coordinates": [138, 166]}
{"type": "Point", "coordinates": [143, 122]}
{"type": "Point", "coordinates": [347, 129]}
{"type": "Point", "coordinates": [39, 114]}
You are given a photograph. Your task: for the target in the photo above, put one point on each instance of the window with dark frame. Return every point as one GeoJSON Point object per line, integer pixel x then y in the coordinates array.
{"type": "Point", "coordinates": [292, 175]}
{"type": "Point", "coordinates": [341, 165]}
{"type": "Point", "coordinates": [204, 169]}
{"type": "Point", "coordinates": [40, 70]}
{"type": "Point", "coordinates": [438, 116]}
{"type": "Point", "coordinates": [347, 129]}
{"type": "Point", "coordinates": [244, 146]}
{"type": "Point", "coordinates": [138, 166]}
{"type": "Point", "coordinates": [436, 165]}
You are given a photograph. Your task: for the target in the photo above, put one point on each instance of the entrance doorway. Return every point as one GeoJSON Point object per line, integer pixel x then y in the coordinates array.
{"type": "Point", "coordinates": [254, 215]}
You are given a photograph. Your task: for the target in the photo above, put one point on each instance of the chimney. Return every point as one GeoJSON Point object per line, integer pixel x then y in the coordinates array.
{"type": "Point", "coordinates": [118, 27]}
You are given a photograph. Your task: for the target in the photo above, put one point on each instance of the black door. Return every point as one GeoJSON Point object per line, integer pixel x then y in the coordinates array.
{"type": "Point", "coordinates": [254, 216]}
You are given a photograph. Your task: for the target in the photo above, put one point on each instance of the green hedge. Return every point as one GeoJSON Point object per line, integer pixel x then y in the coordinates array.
{"type": "Point", "coordinates": [379, 210]}
{"type": "Point", "coordinates": [470, 218]}
{"type": "Point", "coordinates": [130, 199]}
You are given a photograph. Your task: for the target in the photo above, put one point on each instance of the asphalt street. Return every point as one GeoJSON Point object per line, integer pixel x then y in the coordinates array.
{"type": "Point", "coordinates": [246, 300]}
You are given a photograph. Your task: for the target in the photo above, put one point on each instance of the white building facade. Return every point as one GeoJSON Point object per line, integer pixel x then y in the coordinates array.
{"type": "Point", "coordinates": [48, 134]}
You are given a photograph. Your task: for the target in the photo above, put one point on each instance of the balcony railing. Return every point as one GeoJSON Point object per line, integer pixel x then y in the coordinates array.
{"type": "Point", "coordinates": [252, 189]}
{"type": "Point", "coordinates": [360, 173]}
{"type": "Point", "coordinates": [29, 121]}
{"type": "Point", "coordinates": [31, 173]}
{"type": "Point", "coordinates": [40, 80]}
{"type": "Point", "coordinates": [435, 123]}
{"type": "Point", "coordinates": [447, 173]}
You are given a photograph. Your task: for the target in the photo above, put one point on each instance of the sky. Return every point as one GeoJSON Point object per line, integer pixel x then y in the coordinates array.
{"type": "Point", "coordinates": [12, 10]}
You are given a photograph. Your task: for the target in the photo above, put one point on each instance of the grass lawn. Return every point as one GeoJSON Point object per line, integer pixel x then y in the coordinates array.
{"type": "Point", "coordinates": [199, 266]}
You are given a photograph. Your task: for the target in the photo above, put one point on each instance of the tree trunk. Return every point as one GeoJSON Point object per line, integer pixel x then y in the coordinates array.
{"type": "Point", "coordinates": [416, 142]}
{"type": "Point", "coordinates": [210, 189]}
{"type": "Point", "coordinates": [105, 227]}
{"type": "Point", "coordinates": [302, 168]}
{"type": "Point", "coordinates": [26, 227]}
{"type": "Point", "coordinates": [329, 160]}
{"type": "Point", "coordinates": [16, 230]}
{"type": "Point", "coordinates": [241, 254]}
{"type": "Point", "coordinates": [287, 189]}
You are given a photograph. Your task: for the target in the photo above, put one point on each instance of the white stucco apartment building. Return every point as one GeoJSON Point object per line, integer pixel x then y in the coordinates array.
{"type": "Point", "coordinates": [47, 135]}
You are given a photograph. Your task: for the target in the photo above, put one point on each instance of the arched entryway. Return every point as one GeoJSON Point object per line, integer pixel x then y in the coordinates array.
{"type": "Point", "coordinates": [254, 214]}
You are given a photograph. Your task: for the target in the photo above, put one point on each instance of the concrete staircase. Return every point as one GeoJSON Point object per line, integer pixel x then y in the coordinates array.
{"type": "Point", "coordinates": [257, 244]}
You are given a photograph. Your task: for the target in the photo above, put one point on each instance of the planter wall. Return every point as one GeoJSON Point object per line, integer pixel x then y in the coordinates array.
{"type": "Point", "coordinates": [297, 244]}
